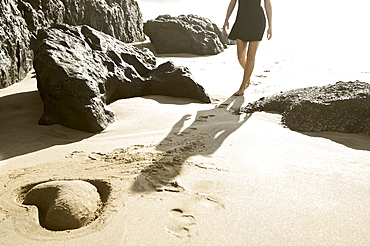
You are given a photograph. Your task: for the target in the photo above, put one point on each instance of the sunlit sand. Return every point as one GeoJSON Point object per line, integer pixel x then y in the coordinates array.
{"type": "Point", "coordinates": [180, 172]}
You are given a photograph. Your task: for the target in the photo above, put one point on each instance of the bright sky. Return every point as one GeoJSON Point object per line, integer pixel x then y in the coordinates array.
{"type": "Point", "coordinates": [330, 29]}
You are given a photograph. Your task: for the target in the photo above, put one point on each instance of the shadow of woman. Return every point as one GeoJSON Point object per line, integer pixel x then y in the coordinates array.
{"type": "Point", "coordinates": [202, 137]}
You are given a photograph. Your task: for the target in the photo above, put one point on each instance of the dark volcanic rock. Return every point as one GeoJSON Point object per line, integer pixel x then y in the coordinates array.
{"type": "Point", "coordinates": [185, 34]}
{"type": "Point", "coordinates": [120, 19]}
{"type": "Point", "coordinates": [170, 80]}
{"type": "Point", "coordinates": [342, 107]}
{"type": "Point", "coordinates": [20, 20]}
{"type": "Point", "coordinates": [15, 55]}
{"type": "Point", "coordinates": [80, 70]}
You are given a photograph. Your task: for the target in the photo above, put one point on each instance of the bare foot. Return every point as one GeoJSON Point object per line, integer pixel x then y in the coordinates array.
{"type": "Point", "coordinates": [241, 90]}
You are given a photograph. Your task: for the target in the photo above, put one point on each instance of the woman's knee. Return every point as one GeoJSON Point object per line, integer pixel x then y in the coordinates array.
{"type": "Point", "coordinates": [251, 56]}
{"type": "Point", "coordinates": [252, 48]}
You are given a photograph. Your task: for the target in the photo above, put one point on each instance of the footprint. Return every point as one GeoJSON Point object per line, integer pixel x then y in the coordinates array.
{"type": "Point", "coordinates": [179, 223]}
{"type": "Point", "coordinates": [189, 130]}
{"type": "Point", "coordinates": [261, 76]}
{"type": "Point", "coordinates": [204, 118]}
{"type": "Point", "coordinates": [223, 105]}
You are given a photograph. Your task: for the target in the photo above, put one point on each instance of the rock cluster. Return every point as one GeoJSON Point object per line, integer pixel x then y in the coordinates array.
{"type": "Point", "coordinates": [64, 205]}
{"type": "Point", "coordinates": [185, 34]}
{"type": "Point", "coordinates": [342, 107]}
{"type": "Point", "coordinates": [80, 70]}
{"type": "Point", "coordinates": [15, 54]}
{"type": "Point", "coordinates": [120, 19]}
{"type": "Point", "coordinates": [20, 20]}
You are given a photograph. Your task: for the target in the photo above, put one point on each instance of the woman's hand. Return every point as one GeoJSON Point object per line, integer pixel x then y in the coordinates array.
{"type": "Point", "coordinates": [269, 33]}
{"type": "Point", "coordinates": [230, 10]}
{"type": "Point", "coordinates": [225, 27]}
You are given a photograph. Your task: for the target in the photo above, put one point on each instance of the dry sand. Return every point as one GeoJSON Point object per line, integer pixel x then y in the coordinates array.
{"type": "Point", "coordinates": [172, 171]}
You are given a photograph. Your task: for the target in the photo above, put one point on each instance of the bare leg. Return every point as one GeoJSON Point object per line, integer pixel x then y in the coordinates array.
{"type": "Point", "coordinates": [247, 63]}
{"type": "Point", "coordinates": [242, 52]}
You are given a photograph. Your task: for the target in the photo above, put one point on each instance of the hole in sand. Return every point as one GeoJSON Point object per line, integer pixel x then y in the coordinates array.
{"type": "Point", "coordinates": [66, 204]}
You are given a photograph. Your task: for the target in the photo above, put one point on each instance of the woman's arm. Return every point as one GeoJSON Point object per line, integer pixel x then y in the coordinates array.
{"type": "Point", "coordinates": [268, 9]}
{"type": "Point", "coordinates": [230, 10]}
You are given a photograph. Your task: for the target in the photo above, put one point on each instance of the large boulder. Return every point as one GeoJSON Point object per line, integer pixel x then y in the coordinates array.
{"type": "Point", "coordinates": [20, 20]}
{"type": "Point", "coordinates": [120, 19]}
{"type": "Point", "coordinates": [15, 54]}
{"type": "Point", "coordinates": [185, 34]}
{"type": "Point", "coordinates": [64, 205]}
{"type": "Point", "coordinates": [80, 70]}
{"type": "Point", "coordinates": [342, 107]}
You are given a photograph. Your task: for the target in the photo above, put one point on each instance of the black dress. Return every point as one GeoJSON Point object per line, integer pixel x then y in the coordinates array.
{"type": "Point", "coordinates": [250, 21]}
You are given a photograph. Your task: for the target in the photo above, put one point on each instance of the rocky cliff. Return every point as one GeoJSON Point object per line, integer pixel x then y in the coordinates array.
{"type": "Point", "coordinates": [20, 20]}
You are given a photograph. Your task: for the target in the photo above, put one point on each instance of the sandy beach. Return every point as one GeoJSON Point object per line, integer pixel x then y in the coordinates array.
{"type": "Point", "coordinates": [178, 172]}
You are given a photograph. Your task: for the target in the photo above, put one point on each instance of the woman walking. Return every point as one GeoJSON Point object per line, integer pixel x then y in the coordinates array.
{"type": "Point", "coordinates": [248, 31]}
